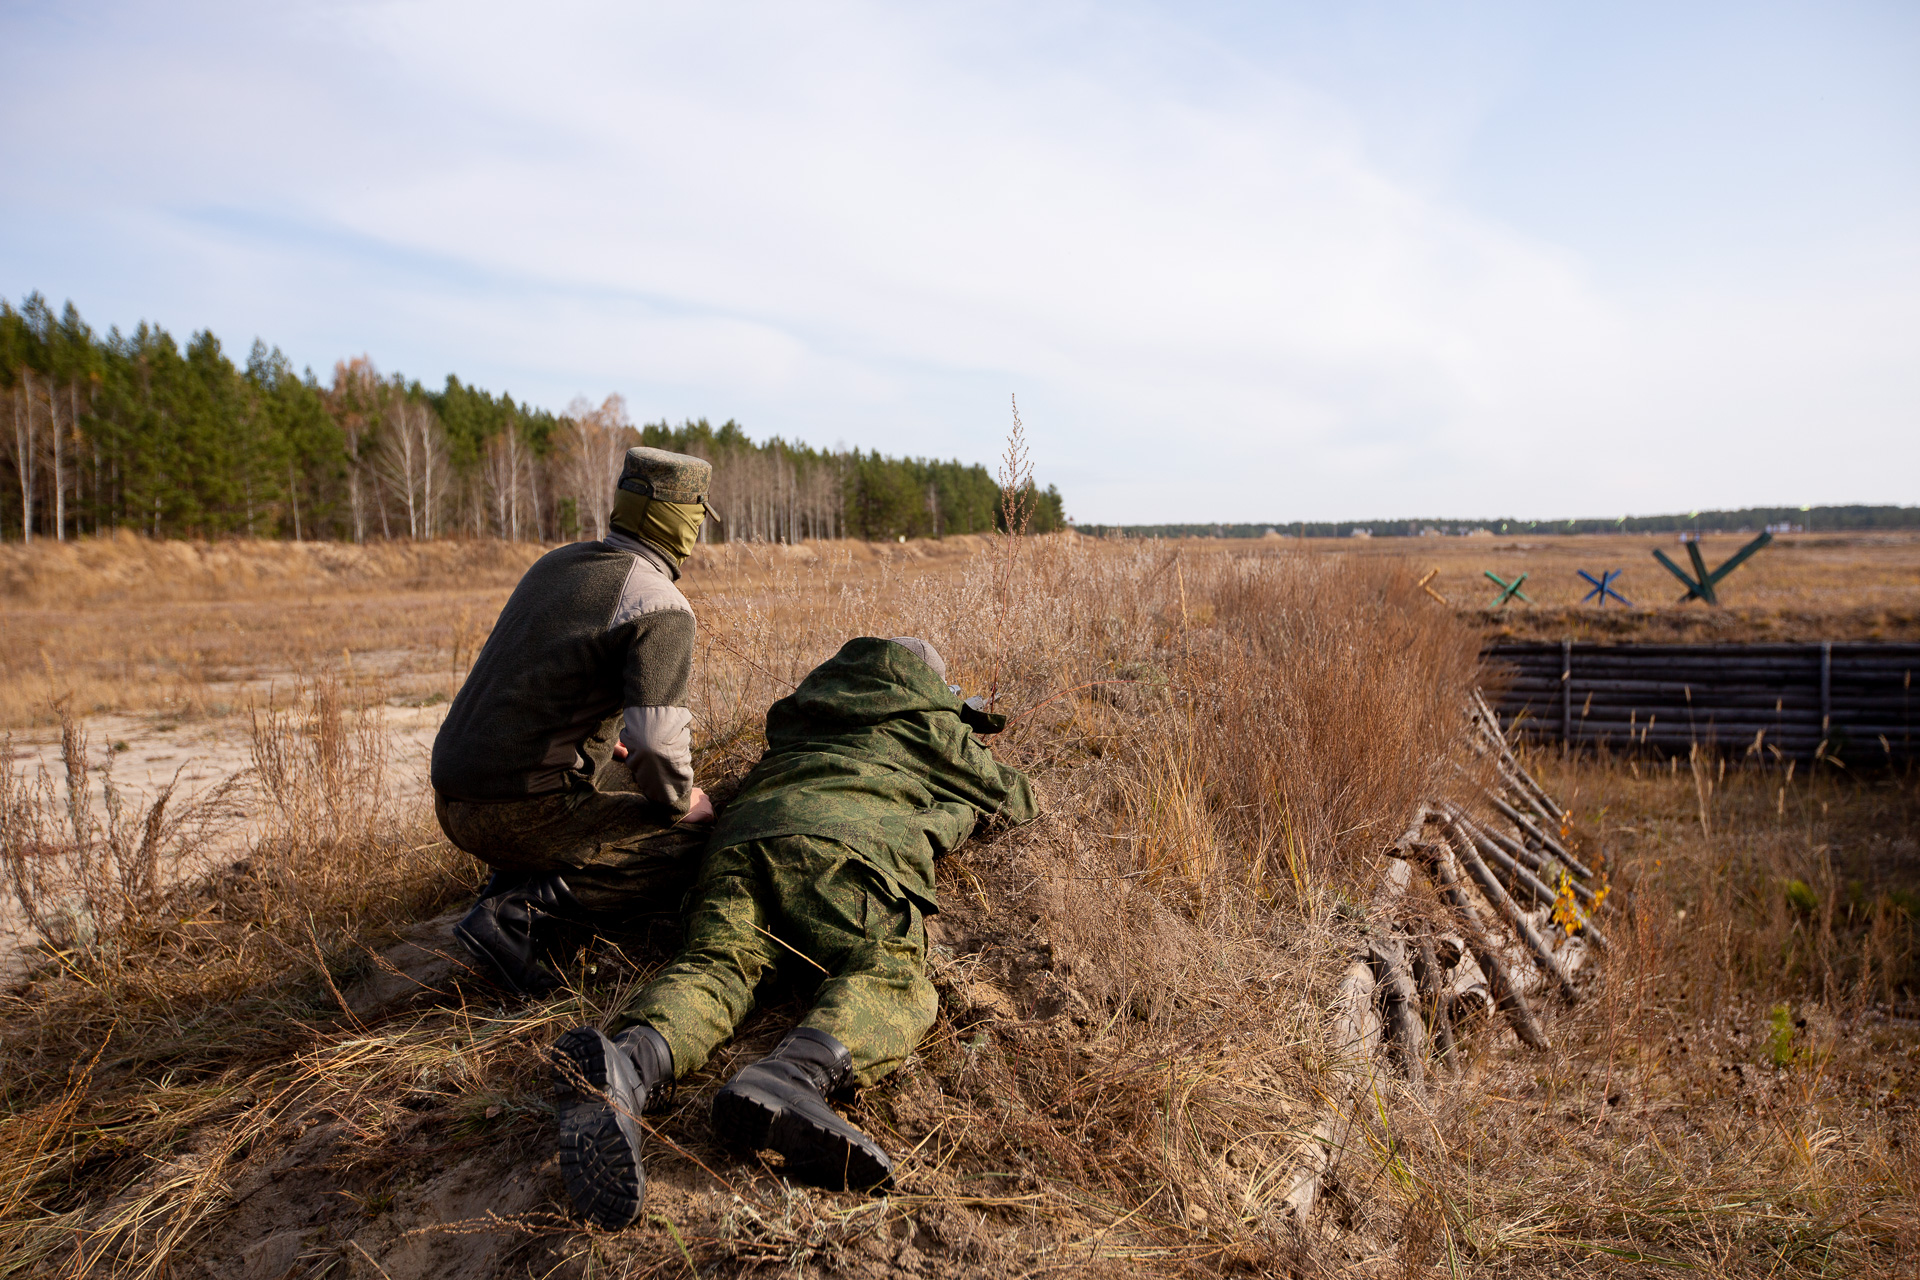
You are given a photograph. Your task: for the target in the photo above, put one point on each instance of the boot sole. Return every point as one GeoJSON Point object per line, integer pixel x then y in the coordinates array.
{"type": "Point", "coordinates": [599, 1146]}
{"type": "Point", "coordinates": [751, 1119]}
{"type": "Point", "coordinates": [499, 972]}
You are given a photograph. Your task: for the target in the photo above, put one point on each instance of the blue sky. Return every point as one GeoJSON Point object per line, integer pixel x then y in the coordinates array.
{"type": "Point", "coordinates": [1239, 261]}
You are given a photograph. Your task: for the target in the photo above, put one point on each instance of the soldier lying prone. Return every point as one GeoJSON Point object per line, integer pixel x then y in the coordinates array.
{"type": "Point", "coordinates": [823, 864]}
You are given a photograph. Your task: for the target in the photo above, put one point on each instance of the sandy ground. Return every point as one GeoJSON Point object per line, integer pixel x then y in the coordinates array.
{"type": "Point", "coordinates": [149, 751]}
{"type": "Point", "coordinates": [143, 754]}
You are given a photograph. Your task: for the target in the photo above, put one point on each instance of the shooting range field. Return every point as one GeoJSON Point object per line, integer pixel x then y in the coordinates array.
{"type": "Point", "coordinates": [1800, 587]}
{"type": "Point", "coordinates": [126, 624]}
{"type": "Point", "coordinates": [200, 630]}
{"type": "Point", "coordinates": [240, 1040]}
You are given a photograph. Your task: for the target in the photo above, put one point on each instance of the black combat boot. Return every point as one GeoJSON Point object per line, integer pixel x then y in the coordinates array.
{"type": "Point", "coordinates": [518, 919]}
{"type": "Point", "coordinates": [780, 1104]}
{"type": "Point", "coordinates": [600, 1089]}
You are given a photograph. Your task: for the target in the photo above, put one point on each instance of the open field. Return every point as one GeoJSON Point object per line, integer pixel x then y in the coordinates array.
{"type": "Point", "coordinates": [203, 629]}
{"type": "Point", "coordinates": [1804, 586]}
{"type": "Point", "coordinates": [256, 1053]}
{"type": "Point", "coordinates": [195, 629]}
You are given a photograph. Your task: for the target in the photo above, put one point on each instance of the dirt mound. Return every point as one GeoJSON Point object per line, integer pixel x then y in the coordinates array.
{"type": "Point", "coordinates": [410, 1134]}
{"type": "Point", "coordinates": [127, 567]}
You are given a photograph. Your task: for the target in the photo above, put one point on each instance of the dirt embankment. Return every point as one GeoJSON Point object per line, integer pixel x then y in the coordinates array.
{"type": "Point", "coordinates": [1699, 624]}
{"type": "Point", "coordinates": [1128, 1044]}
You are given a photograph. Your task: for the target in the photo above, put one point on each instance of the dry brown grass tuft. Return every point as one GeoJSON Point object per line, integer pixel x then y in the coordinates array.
{"type": "Point", "coordinates": [167, 973]}
{"type": "Point", "coordinates": [1333, 699]}
{"type": "Point", "coordinates": [85, 876]}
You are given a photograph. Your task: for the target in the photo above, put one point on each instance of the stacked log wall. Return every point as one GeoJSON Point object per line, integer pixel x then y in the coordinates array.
{"type": "Point", "coordinates": [1851, 700]}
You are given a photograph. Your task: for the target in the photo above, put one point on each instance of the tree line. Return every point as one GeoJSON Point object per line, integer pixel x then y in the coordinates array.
{"type": "Point", "coordinates": [134, 431]}
{"type": "Point", "coordinates": [1743, 520]}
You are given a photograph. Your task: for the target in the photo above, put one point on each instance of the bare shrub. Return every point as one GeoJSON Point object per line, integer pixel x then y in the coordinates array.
{"type": "Point", "coordinates": [1016, 510]}
{"type": "Point", "coordinates": [330, 811]}
{"type": "Point", "coordinates": [82, 878]}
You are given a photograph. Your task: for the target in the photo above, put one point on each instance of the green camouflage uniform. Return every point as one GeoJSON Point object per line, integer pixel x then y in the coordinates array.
{"type": "Point", "coordinates": [869, 775]}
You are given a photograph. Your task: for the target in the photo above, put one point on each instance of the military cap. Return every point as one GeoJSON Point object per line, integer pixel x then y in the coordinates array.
{"type": "Point", "coordinates": [925, 652]}
{"type": "Point", "coordinates": [669, 477]}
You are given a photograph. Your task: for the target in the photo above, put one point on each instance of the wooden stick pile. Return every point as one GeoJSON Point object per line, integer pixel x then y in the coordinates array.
{"type": "Point", "coordinates": [1519, 924]}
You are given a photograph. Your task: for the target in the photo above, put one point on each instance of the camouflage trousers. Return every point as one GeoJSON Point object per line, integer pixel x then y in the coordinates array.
{"type": "Point", "coordinates": [601, 836]}
{"type": "Point", "coordinates": [796, 906]}
{"type": "Point", "coordinates": [608, 847]}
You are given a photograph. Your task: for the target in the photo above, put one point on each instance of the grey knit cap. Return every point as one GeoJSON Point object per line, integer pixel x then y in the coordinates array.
{"type": "Point", "coordinates": [670, 477]}
{"type": "Point", "coordinates": [926, 653]}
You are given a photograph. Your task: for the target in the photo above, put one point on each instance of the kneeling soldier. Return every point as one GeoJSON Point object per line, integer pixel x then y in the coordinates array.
{"type": "Point", "coordinates": [823, 863]}
{"type": "Point", "coordinates": [565, 762]}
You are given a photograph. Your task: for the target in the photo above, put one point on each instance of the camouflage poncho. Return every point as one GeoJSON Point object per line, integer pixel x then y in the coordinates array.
{"type": "Point", "coordinates": [870, 751]}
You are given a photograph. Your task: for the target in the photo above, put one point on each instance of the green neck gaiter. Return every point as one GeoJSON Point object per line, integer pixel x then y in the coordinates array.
{"type": "Point", "coordinates": [670, 526]}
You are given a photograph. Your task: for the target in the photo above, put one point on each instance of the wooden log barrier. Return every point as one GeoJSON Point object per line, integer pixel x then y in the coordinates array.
{"type": "Point", "coordinates": [1507, 995]}
{"type": "Point", "coordinates": [1496, 893]}
{"type": "Point", "coordinates": [1843, 699]}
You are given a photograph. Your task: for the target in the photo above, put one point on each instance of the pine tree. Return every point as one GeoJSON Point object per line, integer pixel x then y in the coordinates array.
{"type": "Point", "coordinates": [132, 430]}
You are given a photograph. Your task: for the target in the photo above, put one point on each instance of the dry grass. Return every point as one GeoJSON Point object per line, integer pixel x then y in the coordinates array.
{"type": "Point", "coordinates": [85, 881]}
{"type": "Point", "coordinates": [162, 980]}
{"type": "Point", "coordinates": [200, 629]}
{"type": "Point", "coordinates": [260, 1076]}
{"type": "Point", "coordinates": [1738, 1098]}
{"type": "Point", "coordinates": [189, 629]}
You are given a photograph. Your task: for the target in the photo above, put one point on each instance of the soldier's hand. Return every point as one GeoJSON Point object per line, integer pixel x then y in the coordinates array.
{"type": "Point", "coordinates": [619, 749]}
{"type": "Point", "coordinates": [701, 810]}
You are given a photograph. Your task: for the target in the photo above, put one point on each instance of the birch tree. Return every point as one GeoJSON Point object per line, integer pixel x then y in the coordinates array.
{"type": "Point", "coordinates": [25, 449]}
{"type": "Point", "coordinates": [352, 401]}
{"type": "Point", "coordinates": [598, 439]}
